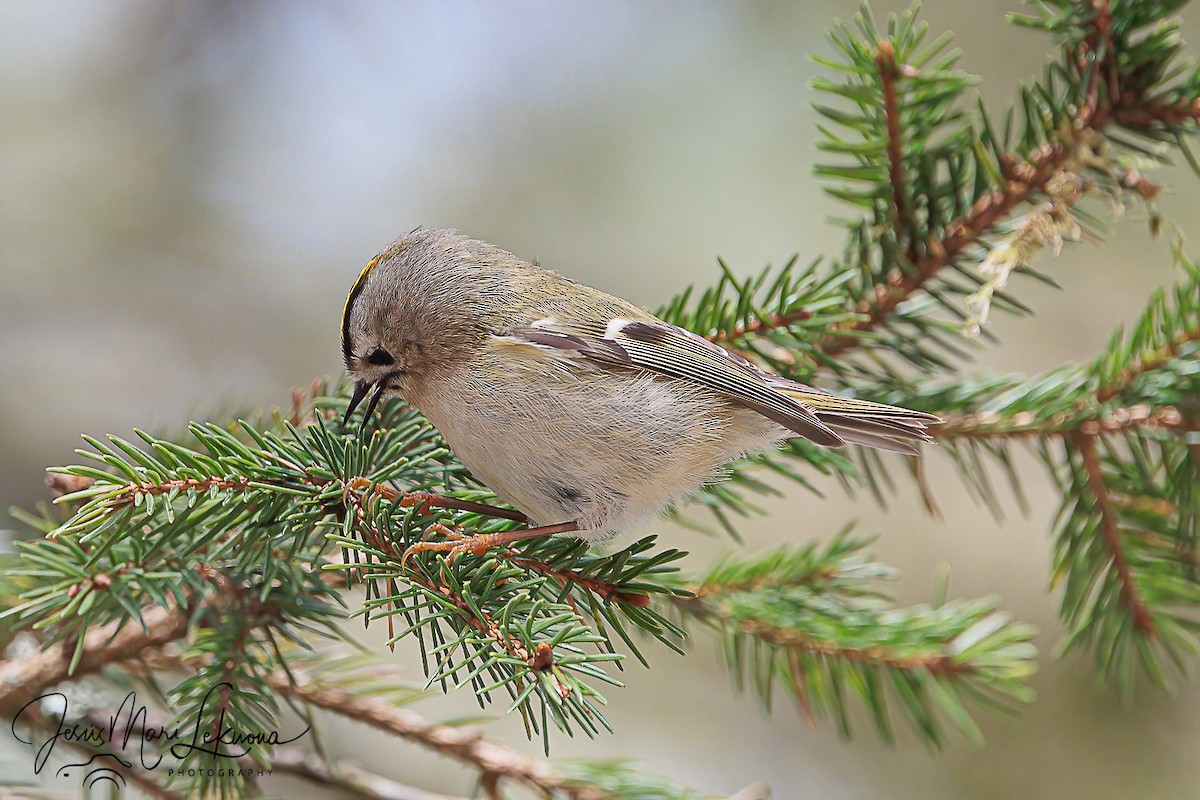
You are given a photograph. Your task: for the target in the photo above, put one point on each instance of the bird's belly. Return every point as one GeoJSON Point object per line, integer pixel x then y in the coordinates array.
{"type": "Point", "coordinates": [604, 450]}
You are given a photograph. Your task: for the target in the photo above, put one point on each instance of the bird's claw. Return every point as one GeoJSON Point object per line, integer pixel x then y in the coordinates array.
{"type": "Point", "coordinates": [456, 544]}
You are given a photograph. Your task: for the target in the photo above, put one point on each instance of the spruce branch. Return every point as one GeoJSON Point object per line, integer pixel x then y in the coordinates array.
{"type": "Point", "coordinates": [1024, 178]}
{"type": "Point", "coordinates": [22, 680]}
{"type": "Point", "coordinates": [890, 71]}
{"type": "Point", "coordinates": [367, 691]}
{"type": "Point", "coordinates": [940, 185]}
{"type": "Point", "coordinates": [1116, 435]}
{"type": "Point", "coordinates": [346, 776]}
{"type": "Point", "coordinates": [1094, 60]}
{"type": "Point", "coordinates": [253, 518]}
{"type": "Point", "coordinates": [1130, 599]}
{"type": "Point", "coordinates": [1125, 554]}
{"type": "Point", "coordinates": [991, 425]}
{"type": "Point", "coordinates": [1148, 362]}
{"type": "Point", "coordinates": [812, 620]}
{"type": "Point", "coordinates": [1144, 379]}
{"type": "Point", "coordinates": [463, 744]}
{"type": "Point", "coordinates": [620, 778]}
{"type": "Point", "coordinates": [248, 526]}
{"type": "Point", "coordinates": [348, 686]}
{"type": "Point", "coordinates": [353, 687]}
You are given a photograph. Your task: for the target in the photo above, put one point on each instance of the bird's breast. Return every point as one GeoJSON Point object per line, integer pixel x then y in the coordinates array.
{"type": "Point", "coordinates": [604, 447]}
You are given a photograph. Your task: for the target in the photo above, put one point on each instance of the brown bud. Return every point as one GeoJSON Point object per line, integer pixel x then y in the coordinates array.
{"type": "Point", "coordinates": [542, 658]}
{"type": "Point", "coordinates": [1146, 189]}
{"type": "Point", "coordinates": [66, 484]}
{"type": "Point", "coordinates": [635, 600]}
{"type": "Point", "coordinates": [101, 581]}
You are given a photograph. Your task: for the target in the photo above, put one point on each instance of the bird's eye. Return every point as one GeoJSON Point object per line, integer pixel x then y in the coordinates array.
{"type": "Point", "coordinates": [380, 357]}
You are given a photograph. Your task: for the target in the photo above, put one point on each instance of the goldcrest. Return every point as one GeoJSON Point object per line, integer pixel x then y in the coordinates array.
{"type": "Point", "coordinates": [581, 410]}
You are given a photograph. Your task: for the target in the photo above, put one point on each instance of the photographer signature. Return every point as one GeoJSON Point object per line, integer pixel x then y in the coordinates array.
{"type": "Point", "coordinates": [129, 726]}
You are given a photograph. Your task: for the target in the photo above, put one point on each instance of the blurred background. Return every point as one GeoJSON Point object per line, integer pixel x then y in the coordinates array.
{"type": "Point", "coordinates": [187, 191]}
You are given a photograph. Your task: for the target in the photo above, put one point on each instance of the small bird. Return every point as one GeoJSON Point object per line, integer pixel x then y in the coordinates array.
{"type": "Point", "coordinates": [583, 411]}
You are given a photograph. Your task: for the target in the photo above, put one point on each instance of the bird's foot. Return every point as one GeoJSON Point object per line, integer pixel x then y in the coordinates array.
{"type": "Point", "coordinates": [455, 546]}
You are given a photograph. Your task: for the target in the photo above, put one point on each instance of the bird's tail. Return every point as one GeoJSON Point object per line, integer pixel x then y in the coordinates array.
{"type": "Point", "coordinates": [862, 422]}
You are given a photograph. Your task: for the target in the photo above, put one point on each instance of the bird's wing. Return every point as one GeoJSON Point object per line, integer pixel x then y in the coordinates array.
{"type": "Point", "coordinates": [671, 351]}
{"type": "Point", "coordinates": [861, 421]}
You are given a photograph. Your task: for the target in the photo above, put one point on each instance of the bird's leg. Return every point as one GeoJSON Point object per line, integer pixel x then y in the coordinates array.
{"type": "Point", "coordinates": [480, 543]}
{"type": "Point", "coordinates": [429, 500]}
{"type": "Point", "coordinates": [441, 501]}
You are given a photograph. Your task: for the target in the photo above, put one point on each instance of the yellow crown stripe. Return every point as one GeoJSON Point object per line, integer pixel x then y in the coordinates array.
{"type": "Point", "coordinates": [355, 290]}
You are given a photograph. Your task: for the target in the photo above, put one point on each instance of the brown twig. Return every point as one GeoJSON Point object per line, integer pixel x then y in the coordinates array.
{"type": "Point", "coordinates": [941, 664]}
{"type": "Point", "coordinates": [761, 325]}
{"type": "Point", "coordinates": [982, 425]}
{"type": "Point", "coordinates": [464, 744]}
{"type": "Point", "coordinates": [1023, 176]}
{"type": "Point", "coordinates": [889, 73]}
{"type": "Point", "coordinates": [1142, 618]}
{"type": "Point", "coordinates": [246, 620]}
{"type": "Point", "coordinates": [427, 500]}
{"type": "Point", "coordinates": [133, 491]}
{"type": "Point", "coordinates": [1022, 181]}
{"type": "Point", "coordinates": [473, 616]}
{"type": "Point", "coordinates": [704, 590]}
{"type": "Point", "coordinates": [346, 776]}
{"type": "Point", "coordinates": [480, 620]}
{"type": "Point", "coordinates": [24, 679]}
{"type": "Point", "coordinates": [805, 644]}
{"type": "Point", "coordinates": [1167, 112]}
{"type": "Point", "coordinates": [1146, 363]}
{"type": "Point", "coordinates": [1104, 73]}
{"type": "Point", "coordinates": [985, 425]}
{"type": "Point", "coordinates": [604, 589]}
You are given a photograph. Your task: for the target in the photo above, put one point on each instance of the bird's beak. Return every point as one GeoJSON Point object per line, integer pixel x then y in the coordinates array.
{"type": "Point", "coordinates": [360, 391]}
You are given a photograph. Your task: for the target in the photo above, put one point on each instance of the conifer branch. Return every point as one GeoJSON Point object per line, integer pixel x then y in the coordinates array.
{"type": "Point", "coordinates": [805, 645]}
{"type": "Point", "coordinates": [241, 514]}
{"type": "Point", "coordinates": [469, 613]}
{"type": "Point", "coordinates": [889, 73]}
{"type": "Point", "coordinates": [604, 589]}
{"type": "Point", "coordinates": [464, 744]}
{"type": "Point", "coordinates": [135, 493]}
{"type": "Point", "coordinates": [1024, 178]}
{"type": "Point", "coordinates": [1148, 362]}
{"type": "Point", "coordinates": [1130, 597]}
{"type": "Point", "coordinates": [1063, 134]}
{"type": "Point", "coordinates": [760, 326]}
{"type": "Point", "coordinates": [804, 619]}
{"type": "Point", "coordinates": [1157, 111]}
{"type": "Point", "coordinates": [991, 425]}
{"type": "Point", "coordinates": [248, 523]}
{"type": "Point", "coordinates": [24, 679]}
{"type": "Point", "coordinates": [346, 776]}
